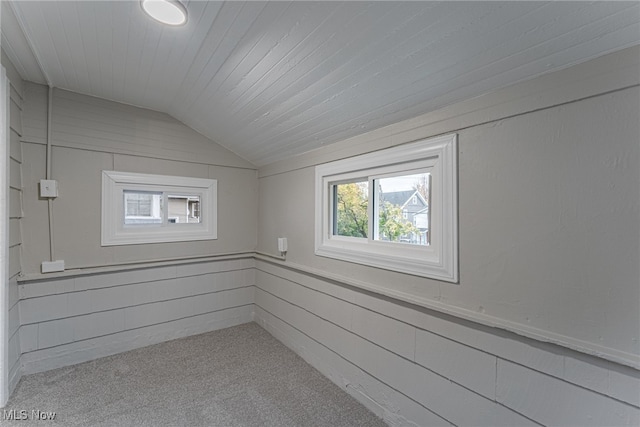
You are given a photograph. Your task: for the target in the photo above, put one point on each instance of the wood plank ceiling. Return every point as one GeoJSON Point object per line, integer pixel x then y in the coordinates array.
{"type": "Point", "coordinates": [272, 79]}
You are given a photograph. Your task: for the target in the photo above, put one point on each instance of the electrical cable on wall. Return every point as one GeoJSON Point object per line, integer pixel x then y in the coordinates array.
{"type": "Point", "coordinates": [48, 173]}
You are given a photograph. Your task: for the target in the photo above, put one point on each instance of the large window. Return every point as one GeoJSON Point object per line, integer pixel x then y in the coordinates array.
{"type": "Point", "coordinates": [144, 208]}
{"type": "Point", "coordinates": [394, 209]}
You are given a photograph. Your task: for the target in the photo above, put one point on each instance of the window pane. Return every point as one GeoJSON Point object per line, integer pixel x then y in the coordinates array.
{"type": "Point", "coordinates": [183, 209]}
{"type": "Point", "coordinates": [351, 201]}
{"type": "Point", "coordinates": [402, 212]}
{"type": "Point", "coordinates": [142, 207]}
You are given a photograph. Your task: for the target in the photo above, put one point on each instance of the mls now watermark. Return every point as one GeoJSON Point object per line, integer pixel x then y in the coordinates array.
{"type": "Point", "coordinates": [23, 415]}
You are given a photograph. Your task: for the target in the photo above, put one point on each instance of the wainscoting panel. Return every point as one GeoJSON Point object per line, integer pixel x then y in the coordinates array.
{"type": "Point", "coordinates": [74, 319]}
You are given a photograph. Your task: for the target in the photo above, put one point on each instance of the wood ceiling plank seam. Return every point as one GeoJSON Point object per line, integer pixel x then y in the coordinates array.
{"type": "Point", "coordinates": [158, 52]}
{"type": "Point", "coordinates": [368, 91]}
{"type": "Point", "coordinates": [284, 55]}
{"type": "Point", "coordinates": [134, 55]}
{"type": "Point", "coordinates": [412, 86]}
{"type": "Point", "coordinates": [303, 96]}
{"type": "Point", "coordinates": [273, 92]}
{"type": "Point", "coordinates": [89, 31]}
{"type": "Point", "coordinates": [45, 48]}
{"type": "Point", "coordinates": [151, 44]}
{"type": "Point", "coordinates": [164, 67]}
{"type": "Point", "coordinates": [525, 41]}
{"type": "Point", "coordinates": [444, 114]}
{"type": "Point", "coordinates": [139, 59]}
{"type": "Point", "coordinates": [542, 46]}
{"type": "Point", "coordinates": [124, 23]}
{"type": "Point", "coordinates": [241, 119]}
{"type": "Point", "coordinates": [223, 50]}
{"type": "Point", "coordinates": [339, 101]}
{"type": "Point", "coordinates": [327, 21]}
{"type": "Point", "coordinates": [356, 78]}
{"type": "Point", "coordinates": [303, 113]}
{"type": "Point", "coordinates": [419, 108]}
{"type": "Point", "coordinates": [66, 51]}
{"type": "Point", "coordinates": [192, 83]}
{"type": "Point", "coordinates": [184, 50]}
{"type": "Point", "coordinates": [223, 22]}
{"type": "Point", "coordinates": [56, 50]}
{"type": "Point", "coordinates": [71, 44]}
{"type": "Point", "coordinates": [198, 52]}
{"type": "Point", "coordinates": [83, 49]}
{"type": "Point", "coordinates": [104, 48]}
{"type": "Point", "coordinates": [363, 127]}
{"type": "Point", "coordinates": [276, 49]}
{"type": "Point", "coordinates": [362, 15]}
{"type": "Point", "coordinates": [228, 67]}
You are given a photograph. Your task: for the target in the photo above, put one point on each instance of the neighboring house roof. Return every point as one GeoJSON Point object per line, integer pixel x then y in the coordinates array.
{"type": "Point", "coordinates": [402, 198]}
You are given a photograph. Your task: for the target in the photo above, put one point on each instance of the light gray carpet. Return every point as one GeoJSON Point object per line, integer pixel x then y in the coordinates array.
{"type": "Point", "coordinates": [239, 376]}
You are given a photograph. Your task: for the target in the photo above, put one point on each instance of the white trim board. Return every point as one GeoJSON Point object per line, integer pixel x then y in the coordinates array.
{"type": "Point", "coordinates": [4, 238]}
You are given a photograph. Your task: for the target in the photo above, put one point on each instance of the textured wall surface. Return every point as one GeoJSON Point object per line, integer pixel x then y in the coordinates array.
{"type": "Point", "coordinates": [71, 320]}
{"type": "Point", "coordinates": [15, 216]}
{"type": "Point", "coordinates": [549, 207]}
{"type": "Point", "coordinates": [90, 135]}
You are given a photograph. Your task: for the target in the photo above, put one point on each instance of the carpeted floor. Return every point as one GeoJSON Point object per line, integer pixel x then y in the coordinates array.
{"type": "Point", "coordinates": [239, 376]}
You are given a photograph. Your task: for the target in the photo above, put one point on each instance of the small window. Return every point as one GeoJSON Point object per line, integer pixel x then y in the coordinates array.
{"type": "Point", "coordinates": [144, 208]}
{"type": "Point", "coordinates": [393, 209]}
{"type": "Point", "coordinates": [351, 206]}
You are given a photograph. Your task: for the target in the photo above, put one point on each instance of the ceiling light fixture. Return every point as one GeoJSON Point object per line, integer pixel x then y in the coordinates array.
{"type": "Point", "coordinates": [169, 12]}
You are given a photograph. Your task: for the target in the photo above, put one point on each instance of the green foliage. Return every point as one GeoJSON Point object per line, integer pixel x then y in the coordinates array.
{"type": "Point", "coordinates": [391, 224]}
{"type": "Point", "coordinates": [352, 216]}
{"type": "Point", "coordinates": [352, 203]}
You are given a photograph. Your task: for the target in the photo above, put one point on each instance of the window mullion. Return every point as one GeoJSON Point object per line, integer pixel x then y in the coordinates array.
{"type": "Point", "coordinates": [164, 209]}
{"type": "Point", "coordinates": [371, 211]}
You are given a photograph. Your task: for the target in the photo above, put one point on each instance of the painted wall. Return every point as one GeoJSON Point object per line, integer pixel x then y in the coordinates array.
{"type": "Point", "coordinates": [15, 217]}
{"type": "Point", "coordinates": [90, 135]}
{"type": "Point", "coordinates": [70, 320]}
{"type": "Point", "coordinates": [107, 305]}
{"type": "Point", "coordinates": [549, 207]}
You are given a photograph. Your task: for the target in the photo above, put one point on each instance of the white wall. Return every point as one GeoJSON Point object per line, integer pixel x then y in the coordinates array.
{"type": "Point", "coordinates": [15, 218]}
{"type": "Point", "coordinates": [103, 304]}
{"type": "Point", "coordinates": [90, 135]}
{"type": "Point", "coordinates": [549, 196]}
{"type": "Point", "coordinates": [70, 320]}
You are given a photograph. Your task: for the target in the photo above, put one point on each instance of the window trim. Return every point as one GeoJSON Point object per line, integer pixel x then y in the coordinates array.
{"type": "Point", "coordinates": [437, 261]}
{"type": "Point", "coordinates": [114, 232]}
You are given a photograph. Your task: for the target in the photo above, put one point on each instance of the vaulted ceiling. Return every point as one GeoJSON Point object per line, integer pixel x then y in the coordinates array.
{"type": "Point", "coordinates": [272, 79]}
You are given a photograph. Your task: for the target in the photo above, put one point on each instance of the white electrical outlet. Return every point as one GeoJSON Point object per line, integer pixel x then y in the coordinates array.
{"type": "Point", "coordinates": [282, 244]}
{"type": "Point", "coordinates": [48, 188]}
{"type": "Point", "coordinates": [53, 266]}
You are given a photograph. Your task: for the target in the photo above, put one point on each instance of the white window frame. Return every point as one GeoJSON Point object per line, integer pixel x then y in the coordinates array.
{"type": "Point", "coordinates": [115, 232]}
{"type": "Point", "coordinates": [439, 260]}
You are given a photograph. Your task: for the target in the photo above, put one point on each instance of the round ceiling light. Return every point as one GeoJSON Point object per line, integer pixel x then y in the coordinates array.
{"type": "Point", "coordinates": [170, 12]}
